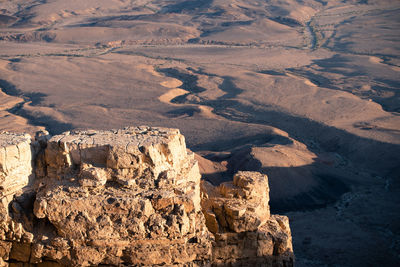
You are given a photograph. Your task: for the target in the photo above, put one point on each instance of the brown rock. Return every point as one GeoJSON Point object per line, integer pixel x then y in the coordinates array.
{"type": "Point", "coordinates": [93, 176]}
{"type": "Point", "coordinates": [245, 234]}
{"type": "Point", "coordinates": [20, 251]}
{"type": "Point", "coordinates": [5, 249]}
{"type": "Point", "coordinates": [15, 162]}
{"type": "Point", "coordinates": [130, 197]}
{"type": "Point", "coordinates": [130, 188]}
{"type": "Point", "coordinates": [241, 205]}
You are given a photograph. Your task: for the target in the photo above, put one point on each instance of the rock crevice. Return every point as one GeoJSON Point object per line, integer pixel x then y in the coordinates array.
{"type": "Point", "coordinates": [129, 197]}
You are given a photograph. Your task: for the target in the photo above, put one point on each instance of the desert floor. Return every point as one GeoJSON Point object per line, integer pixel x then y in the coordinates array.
{"type": "Point", "coordinates": [304, 91]}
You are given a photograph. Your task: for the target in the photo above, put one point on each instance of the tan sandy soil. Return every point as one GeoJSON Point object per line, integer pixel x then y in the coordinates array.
{"type": "Point", "coordinates": [304, 91]}
{"type": "Point", "coordinates": [171, 94]}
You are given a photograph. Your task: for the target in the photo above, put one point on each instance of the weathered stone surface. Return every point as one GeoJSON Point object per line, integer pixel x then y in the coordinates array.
{"type": "Point", "coordinates": [130, 197]}
{"type": "Point", "coordinates": [20, 252]}
{"type": "Point", "coordinates": [16, 174]}
{"type": "Point", "coordinates": [134, 151]}
{"type": "Point", "coordinates": [5, 249]}
{"type": "Point", "coordinates": [241, 205]}
{"type": "Point", "coordinates": [15, 162]}
{"type": "Point", "coordinates": [245, 234]}
{"type": "Point", "coordinates": [132, 192]}
{"type": "Point", "coordinates": [269, 245]}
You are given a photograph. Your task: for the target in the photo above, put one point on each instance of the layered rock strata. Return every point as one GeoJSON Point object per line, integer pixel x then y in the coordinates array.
{"type": "Point", "coordinates": [238, 215]}
{"type": "Point", "coordinates": [129, 197]}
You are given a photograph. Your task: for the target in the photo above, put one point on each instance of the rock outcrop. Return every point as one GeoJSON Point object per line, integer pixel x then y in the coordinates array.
{"type": "Point", "coordinates": [129, 197]}
{"type": "Point", "coordinates": [238, 215]}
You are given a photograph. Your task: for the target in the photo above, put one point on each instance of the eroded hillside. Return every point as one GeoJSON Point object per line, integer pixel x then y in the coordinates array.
{"type": "Point", "coordinates": [303, 91]}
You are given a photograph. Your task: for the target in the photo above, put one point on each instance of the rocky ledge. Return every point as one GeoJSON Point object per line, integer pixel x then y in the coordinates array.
{"type": "Point", "coordinates": [129, 197]}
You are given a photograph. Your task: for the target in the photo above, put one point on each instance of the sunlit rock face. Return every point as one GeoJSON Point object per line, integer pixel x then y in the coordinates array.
{"type": "Point", "coordinates": [130, 197]}
{"type": "Point", "coordinates": [15, 162]}
{"type": "Point", "coordinates": [237, 213]}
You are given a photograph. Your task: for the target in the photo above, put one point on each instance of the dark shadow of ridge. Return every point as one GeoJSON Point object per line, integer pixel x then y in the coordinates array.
{"type": "Point", "coordinates": [326, 187]}
{"type": "Point", "coordinates": [228, 85]}
{"type": "Point", "coordinates": [376, 156]}
{"type": "Point", "coordinates": [339, 64]}
{"type": "Point", "coordinates": [321, 183]}
{"type": "Point", "coordinates": [328, 191]}
{"type": "Point", "coordinates": [34, 99]}
{"type": "Point", "coordinates": [189, 81]}
{"type": "Point", "coordinates": [187, 6]}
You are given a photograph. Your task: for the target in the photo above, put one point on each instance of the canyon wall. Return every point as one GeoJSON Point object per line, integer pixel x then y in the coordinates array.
{"type": "Point", "coordinates": [129, 197]}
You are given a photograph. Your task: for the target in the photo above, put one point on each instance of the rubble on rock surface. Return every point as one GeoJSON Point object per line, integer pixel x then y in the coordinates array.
{"type": "Point", "coordinates": [129, 197]}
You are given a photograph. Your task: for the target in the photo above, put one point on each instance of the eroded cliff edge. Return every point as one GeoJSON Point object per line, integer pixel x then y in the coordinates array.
{"type": "Point", "coordinates": [129, 197]}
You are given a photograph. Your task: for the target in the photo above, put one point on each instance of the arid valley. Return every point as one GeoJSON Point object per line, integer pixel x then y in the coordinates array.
{"type": "Point", "coordinates": [306, 92]}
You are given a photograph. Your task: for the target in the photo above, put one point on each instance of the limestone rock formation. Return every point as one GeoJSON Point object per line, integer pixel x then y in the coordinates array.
{"type": "Point", "coordinates": [16, 173]}
{"type": "Point", "coordinates": [129, 197]}
{"type": "Point", "coordinates": [238, 214]}
{"type": "Point", "coordinates": [15, 162]}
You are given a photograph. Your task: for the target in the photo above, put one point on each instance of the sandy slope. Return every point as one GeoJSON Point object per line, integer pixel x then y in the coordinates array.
{"type": "Point", "coordinates": [305, 91]}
